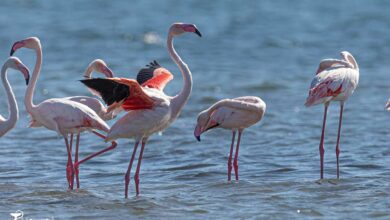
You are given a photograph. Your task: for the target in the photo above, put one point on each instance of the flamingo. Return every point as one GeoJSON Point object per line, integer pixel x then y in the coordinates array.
{"type": "Point", "coordinates": [150, 110]}
{"type": "Point", "coordinates": [387, 107]}
{"type": "Point", "coordinates": [62, 116]}
{"type": "Point", "coordinates": [335, 80]}
{"type": "Point", "coordinates": [232, 114]}
{"type": "Point", "coordinates": [100, 66]}
{"type": "Point", "coordinates": [13, 63]}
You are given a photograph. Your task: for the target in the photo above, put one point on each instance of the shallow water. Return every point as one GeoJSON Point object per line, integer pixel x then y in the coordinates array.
{"type": "Point", "coordinates": [264, 48]}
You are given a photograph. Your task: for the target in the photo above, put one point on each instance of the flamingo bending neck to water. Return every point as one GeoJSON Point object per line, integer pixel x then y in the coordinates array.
{"type": "Point", "coordinates": [149, 109]}
{"type": "Point", "coordinates": [13, 63]}
{"type": "Point", "coordinates": [335, 80]}
{"type": "Point", "coordinates": [62, 116]}
{"type": "Point", "coordinates": [232, 114]}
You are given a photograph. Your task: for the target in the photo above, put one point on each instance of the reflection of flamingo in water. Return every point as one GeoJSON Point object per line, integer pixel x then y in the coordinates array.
{"type": "Point", "coordinates": [335, 80]}
{"type": "Point", "coordinates": [99, 66]}
{"type": "Point", "coordinates": [150, 110]}
{"type": "Point", "coordinates": [232, 114]}
{"type": "Point", "coordinates": [56, 114]}
{"type": "Point", "coordinates": [14, 63]}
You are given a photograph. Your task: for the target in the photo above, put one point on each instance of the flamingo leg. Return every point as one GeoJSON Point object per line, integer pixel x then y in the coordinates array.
{"type": "Point", "coordinates": [136, 176]}
{"type": "Point", "coordinates": [321, 148]}
{"type": "Point", "coordinates": [230, 156]}
{"type": "Point", "coordinates": [338, 138]}
{"type": "Point", "coordinates": [113, 145]}
{"type": "Point", "coordinates": [71, 164]}
{"type": "Point", "coordinates": [235, 163]}
{"type": "Point", "coordinates": [68, 166]}
{"type": "Point", "coordinates": [76, 160]}
{"type": "Point", "coordinates": [127, 176]}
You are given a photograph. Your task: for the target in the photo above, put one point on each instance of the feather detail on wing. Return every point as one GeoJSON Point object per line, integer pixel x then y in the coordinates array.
{"type": "Point", "coordinates": [120, 93]}
{"type": "Point", "coordinates": [154, 76]}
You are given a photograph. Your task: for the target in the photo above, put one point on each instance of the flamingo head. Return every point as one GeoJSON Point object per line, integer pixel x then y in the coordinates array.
{"type": "Point", "coordinates": [180, 28]}
{"type": "Point", "coordinates": [100, 66]}
{"type": "Point", "coordinates": [204, 123]}
{"type": "Point", "coordinates": [31, 43]}
{"type": "Point", "coordinates": [15, 63]}
{"type": "Point", "coordinates": [387, 107]}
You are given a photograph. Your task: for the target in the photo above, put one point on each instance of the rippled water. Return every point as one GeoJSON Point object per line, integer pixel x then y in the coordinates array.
{"type": "Point", "coordinates": [264, 48]}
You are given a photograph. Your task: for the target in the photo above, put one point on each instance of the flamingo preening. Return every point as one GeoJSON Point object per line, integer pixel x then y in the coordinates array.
{"type": "Point", "coordinates": [335, 80]}
{"type": "Point", "coordinates": [62, 116]}
{"type": "Point", "coordinates": [150, 110]}
{"type": "Point", "coordinates": [232, 114]}
{"type": "Point", "coordinates": [13, 63]}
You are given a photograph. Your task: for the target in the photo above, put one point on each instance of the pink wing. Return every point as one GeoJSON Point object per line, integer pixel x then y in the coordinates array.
{"type": "Point", "coordinates": [154, 76]}
{"type": "Point", "coordinates": [325, 86]}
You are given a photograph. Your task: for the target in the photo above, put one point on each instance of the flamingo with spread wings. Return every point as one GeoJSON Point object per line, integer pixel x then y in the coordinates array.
{"type": "Point", "coordinates": [335, 80]}
{"type": "Point", "coordinates": [232, 114]}
{"type": "Point", "coordinates": [13, 63]}
{"type": "Point", "coordinates": [62, 116]}
{"type": "Point", "coordinates": [150, 110]}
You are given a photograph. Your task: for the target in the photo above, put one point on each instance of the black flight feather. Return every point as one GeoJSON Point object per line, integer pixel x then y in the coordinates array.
{"type": "Point", "coordinates": [109, 90]}
{"type": "Point", "coordinates": [147, 73]}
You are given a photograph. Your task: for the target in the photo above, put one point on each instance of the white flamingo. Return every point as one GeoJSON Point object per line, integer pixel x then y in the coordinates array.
{"type": "Point", "coordinates": [99, 66]}
{"type": "Point", "coordinates": [9, 123]}
{"type": "Point", "coordinates": [335, 80]}
{"type": "Point", "coordinates": [62, 116]}
{"type": "Point", "coordinates": [232, 114]}
{"type": "Point", "coordinates": [150, 110]}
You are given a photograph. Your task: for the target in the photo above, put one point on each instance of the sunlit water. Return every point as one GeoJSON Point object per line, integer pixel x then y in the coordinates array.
{"type": "Point", "coordinates": [264, 48]}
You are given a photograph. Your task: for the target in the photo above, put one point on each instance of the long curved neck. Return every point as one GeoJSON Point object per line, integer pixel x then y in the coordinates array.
{"type": "Point", "coordinates": [181, 99]}
{"type": "Point", "coordinates": [88, 72]}
{"type": "Point", "coordinates": [12, 106]}
{"type": "Point", "coordinates": [28, 98]}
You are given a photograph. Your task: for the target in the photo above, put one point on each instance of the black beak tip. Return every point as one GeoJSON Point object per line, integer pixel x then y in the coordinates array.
{"type": "Point", "coordinates": [27, 80]}
{"type": "Point", "coordinates": [198, 138]}
{"type": "Point", "coordinates": [12, 52]}
{"type": "Point", "coordinates": [198, 33]}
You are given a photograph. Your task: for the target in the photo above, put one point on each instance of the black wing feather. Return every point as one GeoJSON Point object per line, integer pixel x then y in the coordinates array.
{"type": "Point", "coordinates": [147, 73]}
{"type": "Point", "coordinates": [109, 90]}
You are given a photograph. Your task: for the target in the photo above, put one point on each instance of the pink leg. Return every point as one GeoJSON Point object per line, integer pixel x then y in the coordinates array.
{"type": "Point", "coordinates": [136, 176]}
{"type": "Point", "coordinates": [127, 176]}
{"type": "Point", "coordinates": [76, 160]}
{"type": "Point", "coordinates": [338, 138]}
{"type": "Point", "coordinates": [68, 165]}
{"type": "Point", "coordinates": [322, 150]}
{"type": "Point", "coordinates": [71, 164]}
{"type": "Point", "coordinates": [235, 163]}
{"type": "Point", "coordinates": [230, 157]}
{"type": "Point", "coordinates": [113, 145]}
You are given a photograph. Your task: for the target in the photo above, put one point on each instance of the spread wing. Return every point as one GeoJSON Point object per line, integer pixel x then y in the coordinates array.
{"type": "Point", "coordinates": [154, 76]}
{"type": "Point", "coordinates": [120, 92]}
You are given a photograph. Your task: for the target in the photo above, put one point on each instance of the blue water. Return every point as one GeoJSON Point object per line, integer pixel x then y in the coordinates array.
{"type": "Point", "coordinates": [269, 49]}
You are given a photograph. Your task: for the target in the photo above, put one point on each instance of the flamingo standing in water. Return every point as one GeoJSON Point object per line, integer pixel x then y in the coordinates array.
{"type": "Point", "coordinates": [62, 116]}
{"type": "Point", "coordinates": [335, 80]}
{"type": "Point", "coordinates": [14, 63]}
{"type": "Point", "coordinates": [99, 66]}
{"type": "Point", "coordinates": [150, 110]}
{"type": "Point", "coordinates": [232, 114]}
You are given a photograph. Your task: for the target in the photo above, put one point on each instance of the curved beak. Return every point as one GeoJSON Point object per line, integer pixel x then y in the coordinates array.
{"type": "Point", "coordinates": [197, 32]}
{"type": "Point", "coordinates": [27, 79]}
{"type": "Point", "coordinates": [16, 46]}
{"type": "Point", "coordinates": [198, 132]}
{"type": "Point", "coordinates": [108, 72]}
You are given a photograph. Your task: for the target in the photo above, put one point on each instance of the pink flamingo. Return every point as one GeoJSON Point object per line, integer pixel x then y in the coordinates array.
{"type": "Point", "coordinates": [99, 66]}
{"type": "Point", "coordinates": [13, 63]}
{"type": "Point", "coordinates": [335, 80]}
{"type": "Point", "coordinates": [232, 114]}
{"type": "Point", "coordinates": [62, 116]}
{"type": "Point", "coordinates": [150, 110]}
